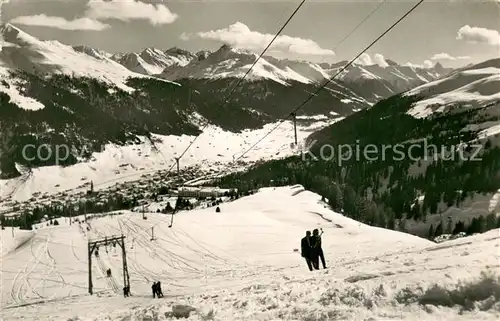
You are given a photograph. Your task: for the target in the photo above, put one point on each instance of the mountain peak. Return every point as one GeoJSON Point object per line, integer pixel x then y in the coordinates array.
{"type": "Point", "coordinates": [93, 52]}
{"type": "Point", "coordinates": [13, 34]}
{"type": "Point", "coordinates": [438, 67]}
{"type": "Point", "coordinates": [178, 51]}
{"type": "Point", "coordinates": [8, 27]}
{"type": "Point", "coordinates": [227, 49]}
{"type": "Point", "coordinates": [391, 62]}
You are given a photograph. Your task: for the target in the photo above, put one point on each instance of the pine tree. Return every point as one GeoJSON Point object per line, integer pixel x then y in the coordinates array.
{"type": "Point", "coordinates": [481, 224]}
{"type": "Point", "coordinates": [439, 230]}
{"type": "Point", "coordinates": [459, 228]}
{"type": "Point", "coordinates": [490, 222]}
{"type": "Point", "coordinates": [473, 227]}
{"type": "Point", "coordinates": [402, 224]}
{"type": "Point", "coordinates": [391, 220]}
{"type": "Point", "coordinates": [449, 228]}
{"type": "Point", "coordinates": [430, 234]}
{"type": "Point", "coordinates": [416, 211]}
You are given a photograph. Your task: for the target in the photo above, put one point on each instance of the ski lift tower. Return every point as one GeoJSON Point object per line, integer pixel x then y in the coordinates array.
{"type": "Point", "coordinates": [93, 245]}
{"type": "Point", "coordinates": [294, 118]}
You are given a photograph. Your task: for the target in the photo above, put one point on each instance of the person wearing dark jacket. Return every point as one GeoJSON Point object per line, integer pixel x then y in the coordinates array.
{"type": "Point", "coordinates": [306, 249]}
{"type": "Point", "coordinates": [154, 289]}
{"type": "Point", "coordinates": [159, 293]}
{"type": "Point", "coordinates": [317, 249]}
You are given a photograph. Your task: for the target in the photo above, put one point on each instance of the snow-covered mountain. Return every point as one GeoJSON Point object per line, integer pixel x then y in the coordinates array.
{"type": "Point", "coordinates": [21, 51]}
{"type": "Point", "coordinates": [389, 80]}
{"type": "Point", "coordinates": [82, 97]}
{"type": "Point", "coordinates": [53, 94]}
{"type": "Point", "coordinates": [230, 62]}
{"type": "Point", "coordinates": [152, 61]}
{"type": "Point", "coordinates": [430, 153]}
{"type": "Point", "coordinates": [472, 87]}
{"type": "Point", "coordinates": [372, 82]}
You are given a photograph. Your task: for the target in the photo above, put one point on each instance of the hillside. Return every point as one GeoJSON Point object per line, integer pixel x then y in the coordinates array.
{"type": "Point", "coordinates": [240, 264]}
{"type": "Point", "coordinates": [432, 161]}
{"type": "Point", "coordinates": [114, 116]}
{"type": "Point", "coordinates": [80, 97]}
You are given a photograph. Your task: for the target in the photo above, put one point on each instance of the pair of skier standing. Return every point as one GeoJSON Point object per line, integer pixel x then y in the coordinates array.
{"type": "Point", "coordinates": [311, 249]}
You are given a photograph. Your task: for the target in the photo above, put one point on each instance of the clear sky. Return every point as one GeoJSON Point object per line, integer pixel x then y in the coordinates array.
{"type": "Point", "coordinates": [454, 32]}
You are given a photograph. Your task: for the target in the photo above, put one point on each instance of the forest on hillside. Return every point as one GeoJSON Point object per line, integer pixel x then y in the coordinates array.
{"type": "Point", "coordinates": [388, 191]}
{"type": "Point", "coordinates": [87, 114]}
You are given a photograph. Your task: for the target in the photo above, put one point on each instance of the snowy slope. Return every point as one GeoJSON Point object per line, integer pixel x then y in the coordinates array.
{"type": "Point", "coordinates": [22, 51]}
{"type": "Point", "coordinates": [10, 85]}
{"type": "Point", "coordinates": [240, 264]}
{"type": "Point", "coordinates": [475, 86]}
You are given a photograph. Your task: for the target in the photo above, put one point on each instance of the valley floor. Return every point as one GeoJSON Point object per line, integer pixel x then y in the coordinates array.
{"type": "Point", "coordinates": [214, 150]}
{"type": "Point", "coordinates": [241, 264]}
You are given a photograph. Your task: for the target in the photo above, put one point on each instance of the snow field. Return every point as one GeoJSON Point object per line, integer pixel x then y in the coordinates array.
{"type": "Point", "coordinates": [240, 264]}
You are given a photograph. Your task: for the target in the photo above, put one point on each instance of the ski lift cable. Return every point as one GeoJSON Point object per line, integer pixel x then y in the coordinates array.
{"type": "Point", "coordinates": [244, 76]}
{"type": "Point", "coordinates": [330, 79]}
{"type": "Point", "coordinates": [349, 34]}
{"type": "Point", "coordinates": [225, 100]}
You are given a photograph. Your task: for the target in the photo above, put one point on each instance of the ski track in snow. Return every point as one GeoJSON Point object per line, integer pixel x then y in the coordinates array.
{"type": "Point", "coordinates": [238, 264]}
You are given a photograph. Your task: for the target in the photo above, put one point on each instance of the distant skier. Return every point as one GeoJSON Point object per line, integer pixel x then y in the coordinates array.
{"type": "Point", "coordinates": [306, 249]}
{"type": "Point", "coordinates": [126, 291]}
{"type": "Point", "coordinates": [317, 249]}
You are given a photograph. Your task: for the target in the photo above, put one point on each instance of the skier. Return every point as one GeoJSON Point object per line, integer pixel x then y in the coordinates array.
{"type": "Point", "coordinates": [317, 249]}
{"type": "Point", "coordinates": [154, 289]}
{"type": "Point", "coordinates": [159, 293]}
{"type": "Point", "coordinates": [305, 245]}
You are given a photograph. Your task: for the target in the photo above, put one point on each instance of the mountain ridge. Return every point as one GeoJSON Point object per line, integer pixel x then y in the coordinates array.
{"type": "Point", "coordinates": [53, 94]}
